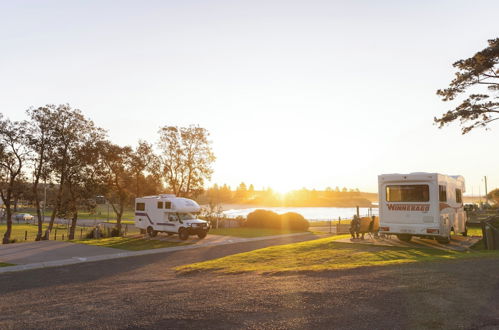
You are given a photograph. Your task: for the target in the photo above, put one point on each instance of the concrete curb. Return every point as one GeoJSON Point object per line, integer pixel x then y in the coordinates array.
{"type": "Point", "coordinates": [80, 260]}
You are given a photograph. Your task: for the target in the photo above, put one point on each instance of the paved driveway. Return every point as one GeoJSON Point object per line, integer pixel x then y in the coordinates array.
{"type": "Point", "coordinates": [144, 292]}
{"type": "Point", "coordinates": [42, 251]}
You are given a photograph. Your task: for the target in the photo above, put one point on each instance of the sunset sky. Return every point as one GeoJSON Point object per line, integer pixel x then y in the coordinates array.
{"type": "Point", "coordinates": [295, 93]}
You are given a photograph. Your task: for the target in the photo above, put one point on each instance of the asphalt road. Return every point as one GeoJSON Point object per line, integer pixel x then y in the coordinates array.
{"type": "Point", "coordinates": [144, 292]}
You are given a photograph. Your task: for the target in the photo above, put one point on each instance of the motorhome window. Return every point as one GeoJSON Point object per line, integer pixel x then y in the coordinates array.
{"type": "Point", "coordinates": [442, 193]}
{"type": "Point", "coordinates": [168, 205]}
{"type": "Point", "coordinates": [172, 217]}
{"type": "Point", "coordinates": [160, 205]}
{"type": "Point", "coordinates": [459, 196]}
{"type": "Point", "coordinates": [186, 216]}
{"type": "Point", "coordinates": [140, 207]}
{"type": "Point", "coordinates": [408, 193]}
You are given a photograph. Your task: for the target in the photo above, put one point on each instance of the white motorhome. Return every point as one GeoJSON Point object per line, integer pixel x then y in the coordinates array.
{"type": "Point", "coordinates": [169, 214]}
{"type": "Point", "coordinates": [421, 204]}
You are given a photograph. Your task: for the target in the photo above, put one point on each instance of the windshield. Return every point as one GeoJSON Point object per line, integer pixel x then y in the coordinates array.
{"type": "Point", "coordinates": [186, 216]}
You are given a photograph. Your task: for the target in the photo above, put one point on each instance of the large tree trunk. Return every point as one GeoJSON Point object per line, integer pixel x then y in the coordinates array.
{"type": "Point", "coordinates": [119, 213]}
{"type": "Point", "coordinates": [54, 212]}
{"type": "Point", "coordinates": [73, 226]}
{"type": "Point", "coordinates": [38, 211]}
{"type": "Point", "coordinates": [8, 210]}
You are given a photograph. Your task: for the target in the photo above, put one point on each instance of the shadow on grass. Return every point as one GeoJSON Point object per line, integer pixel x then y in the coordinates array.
{"type": "Point", "coordinates": [130, 243]}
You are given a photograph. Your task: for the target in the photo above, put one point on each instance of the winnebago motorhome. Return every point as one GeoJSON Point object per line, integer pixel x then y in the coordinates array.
{"type": "Point", "coordinates": [421, 204]}
{"type": "Point", "coordinates": [169, 214]}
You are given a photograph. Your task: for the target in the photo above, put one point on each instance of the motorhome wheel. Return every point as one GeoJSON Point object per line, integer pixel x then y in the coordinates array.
{"type": "Point", "coordinates": [151, 232]}
{"type": "Point", "coordinates": [404, 237]}
{"type": "Point", "coordinates": [443, 239]}
{"type": "Point", "coordinates": [183, 234]}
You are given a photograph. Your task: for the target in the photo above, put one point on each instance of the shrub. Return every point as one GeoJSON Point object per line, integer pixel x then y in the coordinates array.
{"type": "Point", "coordinates": [115, 232]}
{"type": "Point", "coordinates": [269, 219]}
{"type": "Point", "coordinates": [294, 221]}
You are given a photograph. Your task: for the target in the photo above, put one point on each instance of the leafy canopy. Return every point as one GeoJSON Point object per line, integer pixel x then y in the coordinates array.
{"type": "Point", "coordinates": [478, 78]}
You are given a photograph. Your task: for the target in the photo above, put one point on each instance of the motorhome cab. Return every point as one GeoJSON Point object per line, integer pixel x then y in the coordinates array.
{"type": "Point", "coordinates": [421, 204]}
{"type": "Point", "coordinates": [169, 214]}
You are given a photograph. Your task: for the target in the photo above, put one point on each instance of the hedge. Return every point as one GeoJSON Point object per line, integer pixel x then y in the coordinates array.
{"type": "Point", "coordinates": [269, 219]}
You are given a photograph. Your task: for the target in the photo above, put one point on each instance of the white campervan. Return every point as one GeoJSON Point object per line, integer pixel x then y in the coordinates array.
{"type": "Point", "coordinates": [169, 214]}
{"type": "Point", "coordinates": [421, 204]}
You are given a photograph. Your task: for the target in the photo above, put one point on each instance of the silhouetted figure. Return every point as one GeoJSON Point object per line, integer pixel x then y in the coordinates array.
{"type": "Point", "coordinates": [355, 227]}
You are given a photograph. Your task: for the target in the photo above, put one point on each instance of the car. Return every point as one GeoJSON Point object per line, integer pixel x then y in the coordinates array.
{"type": "Point", "coordinates": [26, 217]}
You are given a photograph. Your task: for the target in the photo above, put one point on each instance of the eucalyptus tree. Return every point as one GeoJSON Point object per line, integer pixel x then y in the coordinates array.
{"type": "Point", "coordinates": [72, 131]}
{"type": "Point", "coordinates": [13, 157]}
{"type": "Point", "coordinates": [117, 167]}
{"type": "Point", "coordinates": [40, 135]}
{"type": "Point", "coordinates": [186, 158]}
{"type": "Point", "coordinates": [143, 160]}
{"type": "Point", "coordinates": [83, 173]}
{"type": "Point", "coordinates": [479, 77]}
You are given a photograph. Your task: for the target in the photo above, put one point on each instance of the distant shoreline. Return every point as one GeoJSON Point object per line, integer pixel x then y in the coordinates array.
{"type": "Point", "coordinates": [236, 206]}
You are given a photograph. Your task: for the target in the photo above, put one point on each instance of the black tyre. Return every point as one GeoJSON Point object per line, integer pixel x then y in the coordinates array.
{"type": "Point", "coordinates": [151, 232]}
{"type": "Point", "coordinates": [202, 234]}
{"type": "Point", "coordinates": [404, 237]}
{"type": "Point", "coordinates": [183, 234]}
{"type": "Point", "coordinates": [443, 239]}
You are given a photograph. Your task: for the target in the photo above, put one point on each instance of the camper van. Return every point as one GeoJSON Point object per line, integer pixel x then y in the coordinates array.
{"type": "Point", "coordinates": [422, 204]}
{"type": "Point", "coordinates": [169, 214]}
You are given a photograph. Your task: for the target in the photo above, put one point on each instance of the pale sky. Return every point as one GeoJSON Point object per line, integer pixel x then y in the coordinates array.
{"type": "Point", "coordinates": [295, 93]}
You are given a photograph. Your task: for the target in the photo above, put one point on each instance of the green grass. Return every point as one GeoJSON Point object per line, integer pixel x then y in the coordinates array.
{"type": "Point", "coordinates": [19, 231]}
{"type": "Point", "coordinates": [251, 232]}
{"type": "Point", "coordinates": [130, 243]}
{"type": "Point", "coordinates": [475, 231]}
{"type": "Point", "coordinates": [101, 213]}
{"type": "Point", "coordinates": [4, 264]}
{"type": "Point", "coordinates": [123, 222]}
{"type": "Point", "coordinates": [325, 254]}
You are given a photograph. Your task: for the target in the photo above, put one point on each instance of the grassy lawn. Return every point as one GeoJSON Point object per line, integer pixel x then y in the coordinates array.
{"type": "Point", "coordinates": [3, 264]}
{"type": "Point", "coordinates": [325, 254]}
{"type": "Point", "coordinates": [19, 231]}
{"type": "Point", "coordinates": [250, 232]}
{"type": "Point", "coordinates": [130, 243]}
{"type": "Point", "coordinates": [123, 222]}
{"type": "Point", "coordinates": [101, 213]}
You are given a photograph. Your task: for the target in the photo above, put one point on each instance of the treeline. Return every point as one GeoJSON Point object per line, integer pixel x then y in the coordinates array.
{"type": "Point", "coordinates": [59, 150]}
{"type": "Point", "coordinates": [244, 194]}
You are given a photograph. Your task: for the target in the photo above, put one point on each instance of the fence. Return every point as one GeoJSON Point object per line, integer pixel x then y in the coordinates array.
{"type": "Point", "coordinates": [27, 232]}
{"type": "Point", "coordinates": [490, 231]}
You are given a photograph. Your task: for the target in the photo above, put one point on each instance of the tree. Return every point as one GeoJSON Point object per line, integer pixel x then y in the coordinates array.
{"type": "Point", "coordinates": [40, 141]}
{"type": "Point", "coordinates": [71, 132]}
{"type": "Point", "coordinates": [474, 73]}
{"type": "Point", "coordinates": [143, 159]}
{"type": "Point", "coordinates": [82, 173]}
{"type": "Point", "coordinates": [241, 191]}
{"type": "Point", "coordinates": [118, 176]}
{"type": "Point", "coordinates": [13, 155]}
{"type": "Point", "coordinates": [186, 158]}
{"type": "Point", "coordinates": [494, 195]}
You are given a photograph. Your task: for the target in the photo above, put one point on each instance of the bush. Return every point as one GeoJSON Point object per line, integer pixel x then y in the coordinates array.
{"type": "Point", "coordinates": [294, 221]}
{"type": "Point", "coordinates": [269, 219]}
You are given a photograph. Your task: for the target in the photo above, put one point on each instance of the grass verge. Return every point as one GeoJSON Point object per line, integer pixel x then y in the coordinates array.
{"type": "Point", "coordinates": [251, 232]}
{"type": "Point", "coordinates": [325, 254]}
{"type": "Point", "coordinates": [25, 230]}
{"type": "Point", "coordinates": [130, 243]}
{"type": "Point", "coordinates": [123, 222]}
{"type": "Point", "coordinates": [4, 264]}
